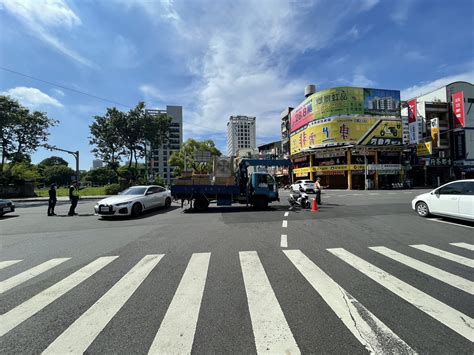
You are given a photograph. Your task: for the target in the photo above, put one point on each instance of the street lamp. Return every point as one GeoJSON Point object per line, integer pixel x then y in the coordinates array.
{"type": "Point", "coordinates": [74, 154]}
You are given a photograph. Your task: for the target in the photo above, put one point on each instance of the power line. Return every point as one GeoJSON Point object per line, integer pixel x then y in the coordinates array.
{"type": "Point", "coordinates": [65, 87]}
{"type": "Point", "coordinates": [91, 95]}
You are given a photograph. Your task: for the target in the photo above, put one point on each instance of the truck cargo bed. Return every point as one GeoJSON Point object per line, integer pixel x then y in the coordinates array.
{"type": "Point", "coordinates": [210, 191]}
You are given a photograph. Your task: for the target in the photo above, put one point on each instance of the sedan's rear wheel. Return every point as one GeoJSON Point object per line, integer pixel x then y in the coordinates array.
{"type": "Point", "coordinates": [136, 210]}
{"type": "Point", "coordinates": [422, 209]}
{"type": "Point", "coordinates": [168, 202]}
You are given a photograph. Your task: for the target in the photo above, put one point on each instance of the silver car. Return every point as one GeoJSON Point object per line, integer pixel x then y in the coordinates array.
{"type": "Point", "coordinates": [133, 201]}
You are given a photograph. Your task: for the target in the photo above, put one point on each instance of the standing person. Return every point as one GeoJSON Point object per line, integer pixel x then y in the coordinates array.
{"type": "Point", "coordinates": [74, 198]}
{"type": "Point", "coordinates": [317, 187]}
{"type": "Point", "coordinates": [52, 200]}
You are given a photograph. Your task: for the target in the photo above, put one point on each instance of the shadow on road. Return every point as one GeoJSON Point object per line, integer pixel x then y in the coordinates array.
{"type": "Point", "coordinates": [453, 221]}
{"type": "Point", "coordinates": [145, 214]}
{"type": "Point", "coordinates": [234, 209]}
{"type": "Point", "coordinates": [8, 216]}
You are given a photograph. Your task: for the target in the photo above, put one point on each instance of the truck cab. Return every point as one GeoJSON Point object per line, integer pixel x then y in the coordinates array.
{"type": "Point", "coordinates": [262, 189]}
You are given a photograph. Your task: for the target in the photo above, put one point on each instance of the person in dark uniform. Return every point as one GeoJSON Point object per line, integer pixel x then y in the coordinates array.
{"type": "Point", "coordinates": [74, 198]}
{"type": "Point", "coordinates": [52, 200]}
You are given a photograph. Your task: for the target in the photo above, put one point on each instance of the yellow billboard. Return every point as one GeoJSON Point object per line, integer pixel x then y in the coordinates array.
{"type": "Point", "coordinates": [347, 130]}
{"type": "Point", "coordinates": [424, 149]}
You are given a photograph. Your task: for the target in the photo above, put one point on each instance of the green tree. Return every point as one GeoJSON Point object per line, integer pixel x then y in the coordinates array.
{"type": "Point", "coordinates": [101, 176]}
{"type": "Point", "coordinates": [22, 132]}
{"type": "Point", "coordinates": [52, 161]}
{"type": "Point", "coordinates": [187, 150]}
{"type": "Point", "coordinates": [117, 135]}
{"type": "Point", "coordinates": [24, 171]}
{"type": "Point", "coordinates": [107, 139]}
{"type": "Point", "coordinates": [58, 174]}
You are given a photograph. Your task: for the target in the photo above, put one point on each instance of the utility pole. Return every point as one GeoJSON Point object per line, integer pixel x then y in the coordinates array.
{"type": "Point", "coordinates": [74, 154]}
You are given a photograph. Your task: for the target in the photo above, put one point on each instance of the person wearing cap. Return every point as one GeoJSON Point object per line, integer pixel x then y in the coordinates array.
{"type": "Point", "coordinates": [74, 198]}
{"type": "Point", "coordinates": [52, 200]}
{"type": "Point", "coordinates": [317, 188]}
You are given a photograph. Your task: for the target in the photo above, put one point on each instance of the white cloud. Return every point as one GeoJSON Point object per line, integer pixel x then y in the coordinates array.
{"type": "Point", "coordinates": [41, 18]}
{"type": "Point", "coordinates": [353, 32]}
{"type": "Point", "coordinates": [242, 66]}
{"type": "Point", "coordinates": [426, 87]}
{"type": "Point", "coordinates": [160, 9]}
{"type": "Point", "coordinates": [58, 92]}
{"type": "Point", "coordinates": [368, 4]}
{"type": "Point", "coordinates": [124, 53]}
{"type": "Point", "coordinates": [401, 12]}
{"type": "Point", "coordinates": [31, 97]}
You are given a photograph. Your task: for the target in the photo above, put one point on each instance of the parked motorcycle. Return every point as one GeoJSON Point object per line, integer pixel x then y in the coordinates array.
{"type": "Point", "coordinates": [299, 199]}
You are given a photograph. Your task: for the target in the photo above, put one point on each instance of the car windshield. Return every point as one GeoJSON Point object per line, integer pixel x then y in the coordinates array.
{"type": "Point", "coordinates": [134, 191]}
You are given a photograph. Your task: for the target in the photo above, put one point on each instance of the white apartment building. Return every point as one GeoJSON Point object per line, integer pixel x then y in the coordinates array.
{"type": "Point", "coordinates": [241, 134]}
{"type": "Point", "coordinates": [97, 164]}
{"type": "Point", "coordinates": [159, 156]}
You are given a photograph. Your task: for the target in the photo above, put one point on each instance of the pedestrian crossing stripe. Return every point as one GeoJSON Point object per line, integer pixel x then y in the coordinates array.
{"type": "Point", "coordinates": [271, 331]}
{"type": "Point", "coordinates": [7, 263]}
{"type": "Point", "coordinates": [446, 255]}
{"type": "Point", "coordinates": [464, 245]}
{"type": "Point", "coordinates": [457, 321]}
{"type": "Point", "coordinates": [16, 280]}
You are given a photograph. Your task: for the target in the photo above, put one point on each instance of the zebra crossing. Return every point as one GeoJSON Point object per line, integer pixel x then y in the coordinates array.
{"type": "Point", "coordinates": [271, 328]}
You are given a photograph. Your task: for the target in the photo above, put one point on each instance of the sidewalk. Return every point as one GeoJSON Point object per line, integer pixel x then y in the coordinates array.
{"type": "Point", "coordinates": [62, 198]}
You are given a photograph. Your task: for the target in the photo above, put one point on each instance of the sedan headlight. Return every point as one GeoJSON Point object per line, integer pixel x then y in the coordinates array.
{"type": "Point", "coordinates": [122, 204]}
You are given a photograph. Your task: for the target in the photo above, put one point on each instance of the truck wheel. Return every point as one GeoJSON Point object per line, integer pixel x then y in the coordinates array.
{"type": "Point", "coordinates": [200, 204]}
{"type": "Point", "coordinates": [261, 203]}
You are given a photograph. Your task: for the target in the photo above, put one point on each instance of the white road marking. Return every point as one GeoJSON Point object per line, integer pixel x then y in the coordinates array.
{"type": "Point", "coordinates": [284, 224]}
{"type": "Point", "coordinates": [406, 192]}
{"type": "Point", "coordinates": [26, 275]}
{"type": "Point", "coordinates": [286, 214]}
{"type": "Point", "coordinates": [447, 222]}
{"type": "Point", "coordinates": [444, 254]}
{"type": "Point", "coordinates": [464, 245]}
{"type": "Point", "coordinates": [366, 327]}
{"type": "Point", "coordinates": [391, 193]}
{"type": "Point", "coordinates": [271, 331]}
{"type": "Point", "coordinates": [450, 317]}
{"type": "Point", "coordinates": [22, 312]}
{"type": "Point", "coordinates": [284, 241]}
{"type": "Point", "coordinates": [80, 334]}
{"type": "Point", "coordinates": [7, 263]}
{"type": "Point", "coordinates": [374, 193]}
{"type": "Point", "coordinates": [176, 332]}
{"type": "Point", "coordinates": [446, 277]}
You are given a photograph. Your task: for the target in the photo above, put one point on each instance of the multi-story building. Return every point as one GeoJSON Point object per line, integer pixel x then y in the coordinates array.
{"type": "Point", "coordinates": [241, 134]}
{"type": "Point", "coordinates": [441, 127]}
{"type": "Point", "coordinates": [349, 137]}
{"type": "Point", "coordinates": [97, 164]}
{"type": "Point", "coordinates": [285, 132]}
{"type": "Point", "coordinates": [159, 156]}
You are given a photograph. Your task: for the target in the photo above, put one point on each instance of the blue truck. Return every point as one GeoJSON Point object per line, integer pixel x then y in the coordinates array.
{"type": "Point", "coordinates": [256, 189]}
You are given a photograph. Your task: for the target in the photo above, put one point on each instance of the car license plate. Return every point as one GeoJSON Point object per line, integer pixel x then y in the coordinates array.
{"type": "Point", "coordinates": [6, 209]}
{"type": "Point", "coordinates": [104, 209]}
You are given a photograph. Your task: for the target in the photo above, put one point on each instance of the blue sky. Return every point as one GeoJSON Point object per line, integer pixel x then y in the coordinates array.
{"type": "Point", "coordinates": [222, 58]}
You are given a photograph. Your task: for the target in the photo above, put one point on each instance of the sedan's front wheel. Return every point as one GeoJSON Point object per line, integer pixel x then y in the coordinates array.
{"type": "Point", "coordinates": [136, 210]}
{"type": "Point", "coordinates": [422, 209]}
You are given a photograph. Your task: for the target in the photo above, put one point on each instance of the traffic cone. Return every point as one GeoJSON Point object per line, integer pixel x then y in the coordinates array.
{"type": "Point", "coordinates": [314, 205]}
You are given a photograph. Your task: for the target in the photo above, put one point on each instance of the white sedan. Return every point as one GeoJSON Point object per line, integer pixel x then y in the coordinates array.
{"type": "Point", "coordinates": [133, 201]}
{"type": "Point", "coordinates": [454, 199]}
{"type": "Point", "coordinates": [303, 186]}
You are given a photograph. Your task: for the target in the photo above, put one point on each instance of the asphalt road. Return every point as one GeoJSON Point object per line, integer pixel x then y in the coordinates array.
{"type": "Point", "coordinates": [234, 280]}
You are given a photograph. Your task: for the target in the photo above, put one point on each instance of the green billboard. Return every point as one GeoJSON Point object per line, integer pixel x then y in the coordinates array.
{"type": "Point", "coordinates": [338, 101]}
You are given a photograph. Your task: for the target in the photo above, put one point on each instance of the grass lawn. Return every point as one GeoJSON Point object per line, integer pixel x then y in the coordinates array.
{"type": "Point", "coordinates": [63, 191]}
